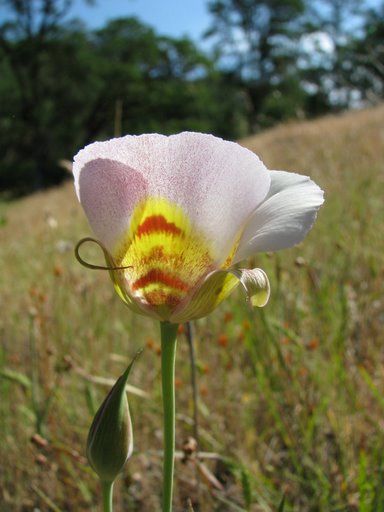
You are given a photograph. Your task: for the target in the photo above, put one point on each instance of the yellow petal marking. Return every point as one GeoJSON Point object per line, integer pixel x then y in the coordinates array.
{"type": "Point", "coordinates": [167, 255]}
{"type": "Point", "coordinates": [207, 297]}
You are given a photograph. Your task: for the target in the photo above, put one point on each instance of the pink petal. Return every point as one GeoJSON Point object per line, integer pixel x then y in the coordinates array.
{"type": "Point", "coordinates": [108, 191]}
{"type": "Point", "coordinates": [217, 183]}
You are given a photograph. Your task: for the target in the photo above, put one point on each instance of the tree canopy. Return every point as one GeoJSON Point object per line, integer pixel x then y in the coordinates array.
{"type": "Point", "coordinates": [63, 85]}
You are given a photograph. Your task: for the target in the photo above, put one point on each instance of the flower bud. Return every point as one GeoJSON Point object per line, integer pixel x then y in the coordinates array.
{"type": "Point", "coordinates": [110, 440]}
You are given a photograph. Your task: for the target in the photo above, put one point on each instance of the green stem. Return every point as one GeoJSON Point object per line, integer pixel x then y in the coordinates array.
{"type": "Point", "coordinates": [107, 491]}
{"type": "Point", "coordinates": [168, 356]}
{"type": "Point", "coordinates": [192, 358]}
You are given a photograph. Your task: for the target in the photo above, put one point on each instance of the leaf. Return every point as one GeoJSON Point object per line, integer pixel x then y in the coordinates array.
{"type": "Point", "coordinates": [90, 399]}
{"type": "Point", "coordinates": [246, 487]}
{"type": "Point", "coordinates": [13, 376]}
{"type": "Point", "coordinates": [282, 505]}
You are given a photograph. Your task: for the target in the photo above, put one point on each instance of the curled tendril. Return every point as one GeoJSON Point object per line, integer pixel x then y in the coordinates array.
{"type": "Point", "coordinates": [108, 257]}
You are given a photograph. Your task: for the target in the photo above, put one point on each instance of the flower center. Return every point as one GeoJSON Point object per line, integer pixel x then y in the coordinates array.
{"type": "Point", "coordinates": [167, 254]}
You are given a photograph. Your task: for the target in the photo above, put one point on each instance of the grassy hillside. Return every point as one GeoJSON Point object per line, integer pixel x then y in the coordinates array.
{"type": "Point", "coordinates": [290, 397]}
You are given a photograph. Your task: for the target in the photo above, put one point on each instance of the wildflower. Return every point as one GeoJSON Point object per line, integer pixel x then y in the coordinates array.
{"type": "Point", "coordinates": [222, 340]}
{"type": "Point", "coordinates": [176, 215]}
{"type": "Point", "coordinates": [313, 344]}
{"type": "Point", "coordinates": [58, 271]}
{"type": "Point", "coordinates": [205, 369]}
{"type": "Point", "coordinates": [150, 344]}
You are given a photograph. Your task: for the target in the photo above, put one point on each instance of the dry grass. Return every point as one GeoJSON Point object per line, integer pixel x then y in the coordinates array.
{"type": "Point", "coordinates": [290, 397]}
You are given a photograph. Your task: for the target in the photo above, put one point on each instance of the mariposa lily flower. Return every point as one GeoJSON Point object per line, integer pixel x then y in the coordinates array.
{"type": "Point", "coordinates": [176, 215]}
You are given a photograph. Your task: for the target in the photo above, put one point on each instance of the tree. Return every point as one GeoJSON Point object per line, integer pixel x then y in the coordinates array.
{"type": "Point", "coordinates": [73, 87]}
{"type": "Point", "coordinates": [161, 83]}
{"type": "Point", "coordinates": [366, 57]}
{"type": "Point", "coordinates": [257, 40]}
{"type": "Point", "coordinates": [33, 42]}
{"type": "Point", "coordinates": [332, 26]}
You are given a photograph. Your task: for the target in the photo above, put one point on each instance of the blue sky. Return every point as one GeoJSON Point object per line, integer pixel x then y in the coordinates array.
{"type": "Point", "coordinates": [169, 17]}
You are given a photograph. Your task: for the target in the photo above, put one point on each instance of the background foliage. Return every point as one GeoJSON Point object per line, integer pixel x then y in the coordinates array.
{"type": "Point", "coordinates": [63, 86]}
{"type": "Point", "coordinates": [290, 396]}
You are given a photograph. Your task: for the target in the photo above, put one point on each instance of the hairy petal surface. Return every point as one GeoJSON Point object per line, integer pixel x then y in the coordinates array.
{"type": "Point", "coordinates": [216, 183]}
{"type": "Point", "coordinates": [108, 190]}
{"type": "Point", "coordinates": [284, 217]}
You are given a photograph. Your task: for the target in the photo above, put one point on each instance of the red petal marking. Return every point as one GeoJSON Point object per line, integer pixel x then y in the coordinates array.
{"type": "Point", "coordinates": [156, 275]}
{"type": "Point", "coordinates": [157, 223]}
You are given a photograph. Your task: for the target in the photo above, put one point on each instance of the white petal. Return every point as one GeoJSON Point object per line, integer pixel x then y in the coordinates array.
{"type": "Point", "coordinates": [284, 217]}
{"type": "Point", "coordinates": [217, 183]}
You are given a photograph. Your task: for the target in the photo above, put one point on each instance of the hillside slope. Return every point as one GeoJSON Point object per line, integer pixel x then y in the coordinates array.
{"type": "Point", "coordinates": [321, 148]}
{"type": "Point", "coordinates": [290, 396]}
